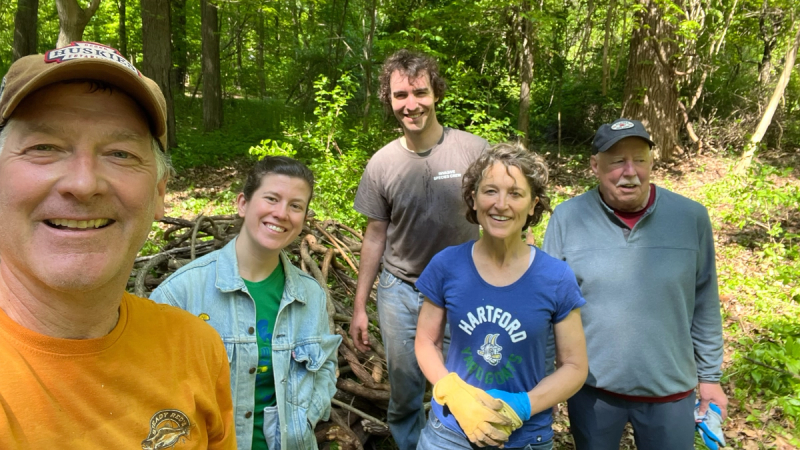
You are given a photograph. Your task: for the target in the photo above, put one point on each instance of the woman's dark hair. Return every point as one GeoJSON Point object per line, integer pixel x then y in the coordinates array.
{"type": "Point", "coordinates": [280, 165]}
{"type": "Point", "coordinates": [532, 166]}
{"type": "Point", "coordinates": [413, 65]}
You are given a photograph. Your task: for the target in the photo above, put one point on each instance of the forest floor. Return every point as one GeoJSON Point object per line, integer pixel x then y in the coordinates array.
{"type": "Point", "coordinates": [753, 297]}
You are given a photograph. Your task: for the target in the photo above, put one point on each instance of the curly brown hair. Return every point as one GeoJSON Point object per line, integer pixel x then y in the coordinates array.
{"type": "Point", "coordinates": [413, 65]}
{"type": "Point", "coordinates": [532, 166]}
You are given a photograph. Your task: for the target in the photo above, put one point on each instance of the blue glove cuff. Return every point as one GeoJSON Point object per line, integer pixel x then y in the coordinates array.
{"type": "Point", "coordinates": [708, 441]}
{"type": "Point", "coordinates": [519, 402]}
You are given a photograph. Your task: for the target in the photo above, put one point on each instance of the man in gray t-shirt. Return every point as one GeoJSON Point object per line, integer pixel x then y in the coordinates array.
{"type": "Point", "coordinates": [411, 195]}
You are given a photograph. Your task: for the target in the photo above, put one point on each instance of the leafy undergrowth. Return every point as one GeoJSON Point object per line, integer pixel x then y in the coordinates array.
{"type": "Point", "coordinates": [755, 222]}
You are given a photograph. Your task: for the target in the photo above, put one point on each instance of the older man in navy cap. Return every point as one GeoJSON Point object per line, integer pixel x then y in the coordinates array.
{"type": "Point", "coordinates": [644, 259]}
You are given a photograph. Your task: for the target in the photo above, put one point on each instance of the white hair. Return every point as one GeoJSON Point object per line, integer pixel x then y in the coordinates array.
{"type": "Point", "coordinates": [163, 163]}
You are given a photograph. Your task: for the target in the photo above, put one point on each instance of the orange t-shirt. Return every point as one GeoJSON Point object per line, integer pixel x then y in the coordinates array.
{"type": "Point", "coordinates": [159, 379]}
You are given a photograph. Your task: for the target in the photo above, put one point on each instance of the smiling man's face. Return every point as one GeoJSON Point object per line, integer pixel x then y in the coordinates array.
{"type": "Point", "coordinates": [413, 102]}
{"type": "Point", "coordinates": [78, 188]}
{"type": "Point", "coordinates": [624, 174]}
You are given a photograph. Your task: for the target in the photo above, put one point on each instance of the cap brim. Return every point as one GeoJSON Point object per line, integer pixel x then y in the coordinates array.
{"type": "Point", "coordinates": [616, 139]}
{"type": "Point", "coordinates": [133, 84]}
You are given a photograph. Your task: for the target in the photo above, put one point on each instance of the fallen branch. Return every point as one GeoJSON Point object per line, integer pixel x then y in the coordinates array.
{"type": "Point", "coordinates": [362, 414]}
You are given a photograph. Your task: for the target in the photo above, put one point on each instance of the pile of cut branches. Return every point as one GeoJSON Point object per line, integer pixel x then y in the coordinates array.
{"type": "Point", "coordinates": [328, 251]}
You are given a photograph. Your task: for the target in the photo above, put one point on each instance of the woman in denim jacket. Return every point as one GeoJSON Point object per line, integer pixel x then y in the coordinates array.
{"type": "Point", "coordinates": [271, 316]}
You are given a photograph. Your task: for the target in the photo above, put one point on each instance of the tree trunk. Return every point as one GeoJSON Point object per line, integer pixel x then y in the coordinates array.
{"type": "Point", "coordinates": [25, 35]}
{"type": "Point", "coordinates": [706, 61]}
{"type": "Point", "coordinates": [239, 23]}
{"type": "Point", "coordinates": [157, 55]}
{"type": "Point", "coordinates": [766, 119]}
{"type": "Point", "coordinates": [277, 49]}
{"type": "Point", "coordinates": [716, 48]}
{"type": "Point", "coordinates": [769, 25]}
{"type": "Point", "coordinates": [73, 20]}
{"type": "Point", "coordinates": [525, 76]}
{"type": "Point", "coordinates": [521, 44]}
{"type": "Point", "coordinates": [123, 29]}
{"type": "Point", "coordinates": [262, 79]}
{"type": "Point", "coordinates": [367, 64]}
{"type": "Point", "coordinates": [340, 38]}
{"type": "Point", "coordinates": [298, 29]}
{"type": "Point", "coordinates": [606, 43]}
{"type": "Point", "coordinates": [687, 123]}
{"type": "Point", "coordinates": [587, 37]}
{"type": "Point", "coordinates": [180, 47]}
{"type": "Point", "coordinates": [331, 37]}
{"type": "Point", "coordinates": [651, 94]}
{"type": "Point", "coordinates": [765, 65]}
{"type": "Point", "coordinates": [212, 81]}
{"type": "Point", "coordinates": [621, 47]}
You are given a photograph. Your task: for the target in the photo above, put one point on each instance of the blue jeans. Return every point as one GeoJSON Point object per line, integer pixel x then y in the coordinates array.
{"type": "Point", "coordinates": [436, 436]}
{"type": "Point", "coordinates": [597, 420]}
{"type": "Point", "coordinates": [398, 310]}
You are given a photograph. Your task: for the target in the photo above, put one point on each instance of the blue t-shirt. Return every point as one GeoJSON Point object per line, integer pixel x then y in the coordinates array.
{"type": "Point", "coordinates": [499, 334]}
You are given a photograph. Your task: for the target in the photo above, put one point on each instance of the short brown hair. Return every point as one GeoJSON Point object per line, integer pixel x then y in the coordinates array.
{"type": "Point", "coordinates": [279, 165]}
{"type": "Point", "coordinates": [532, 166]}
{"type": "Point", "coordinates": [413, 65]}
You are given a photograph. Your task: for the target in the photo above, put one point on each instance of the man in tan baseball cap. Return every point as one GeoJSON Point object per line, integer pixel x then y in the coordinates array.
{"type": "Point", "coordinates": [82, 177]}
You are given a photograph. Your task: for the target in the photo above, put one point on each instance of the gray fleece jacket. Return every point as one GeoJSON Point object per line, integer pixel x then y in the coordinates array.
{"type": "Point", "coordinates": [652, 314]}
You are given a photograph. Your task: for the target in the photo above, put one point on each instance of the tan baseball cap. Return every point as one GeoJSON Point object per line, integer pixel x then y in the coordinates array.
{"type": "Point", "coordinates": [89, 61]}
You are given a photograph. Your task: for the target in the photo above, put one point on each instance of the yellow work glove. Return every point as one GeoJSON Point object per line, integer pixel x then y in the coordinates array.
{"type": "Point", "coordinates": [515, 407]}
{"type": "Point", "coordinates": [511, 415]}
{"type": "Point", "coordinates": [477, 412]}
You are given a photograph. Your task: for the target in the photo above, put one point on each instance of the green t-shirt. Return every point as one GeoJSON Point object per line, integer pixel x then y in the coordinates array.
{"type": "Point", "coordinates": [267, 294]}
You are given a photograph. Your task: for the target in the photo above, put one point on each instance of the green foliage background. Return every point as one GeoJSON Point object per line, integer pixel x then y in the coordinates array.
{"type": "Point", "coordinates": [319, 105]}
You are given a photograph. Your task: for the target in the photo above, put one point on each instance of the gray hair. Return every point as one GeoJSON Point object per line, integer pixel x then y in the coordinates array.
{"type": "Point", "coordinates": [163, 162]}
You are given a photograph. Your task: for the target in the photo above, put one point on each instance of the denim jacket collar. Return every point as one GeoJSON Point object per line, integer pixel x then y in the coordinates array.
{"type": "Point", "coordinates": [229, 280]}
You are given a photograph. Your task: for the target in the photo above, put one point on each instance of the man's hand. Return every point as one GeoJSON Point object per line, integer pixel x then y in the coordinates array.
{"type": "Point", "coordinates": [712, 392]}
{"type": "Point", "coordinates": [359, 329]}
{"type": "Point", "coordinates": [371, 252]}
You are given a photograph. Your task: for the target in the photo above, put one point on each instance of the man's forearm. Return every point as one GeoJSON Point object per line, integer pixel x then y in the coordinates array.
{"type": "Point", "coordinates": [371, 253]}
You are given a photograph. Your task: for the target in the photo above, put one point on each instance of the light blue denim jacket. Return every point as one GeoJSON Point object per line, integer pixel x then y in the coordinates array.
{"type": "Point", "coordinates": [303, 350]}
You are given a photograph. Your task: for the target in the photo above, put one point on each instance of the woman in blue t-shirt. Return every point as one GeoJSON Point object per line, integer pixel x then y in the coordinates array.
{"type": "Point", "coordinates": [502, 299]}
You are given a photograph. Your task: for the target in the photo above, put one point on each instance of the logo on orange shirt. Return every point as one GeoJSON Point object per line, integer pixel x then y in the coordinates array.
{"type": "Point", "coordinates": [168, 427]}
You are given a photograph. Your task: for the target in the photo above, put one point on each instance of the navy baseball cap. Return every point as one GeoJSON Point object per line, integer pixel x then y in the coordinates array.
{"type": "Point", "coordinates": [610, 133]}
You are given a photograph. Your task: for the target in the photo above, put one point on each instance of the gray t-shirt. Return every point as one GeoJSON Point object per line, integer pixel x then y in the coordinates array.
{"type": "Point", "coordinates": [420, 196]}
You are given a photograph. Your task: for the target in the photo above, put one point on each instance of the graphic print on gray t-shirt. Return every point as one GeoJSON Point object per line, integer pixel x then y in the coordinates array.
{"type": "Point", "coordinates": [420, 196]}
